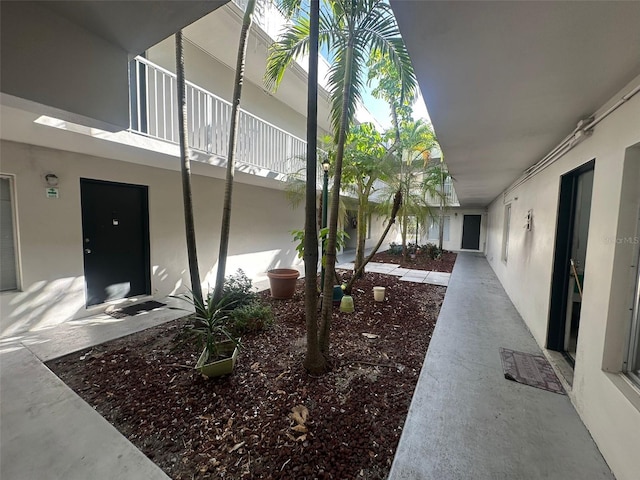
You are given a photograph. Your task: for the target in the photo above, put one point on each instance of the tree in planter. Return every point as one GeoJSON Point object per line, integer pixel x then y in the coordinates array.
{"type": "Point", "coordinates": [194, 271]}
{"type": "Point", "coordinates": [314, 361]}
{"type": "Point", "coordinates": [443, 174]}
{"type": "Point", "coordinates": [297, 187]}
{"type": "Point", "coordinates": [395, 208]}
{"type": "Point", "coordinates": [351, 30]}
{"type": "Point", "coordinates": [414, 177]}
{"type": "Point", "coordinates": [389, 89]}
{"type": "Point", "coordinates": [366, 160]}
{"type": "Point", "coordinates": [225, 226]}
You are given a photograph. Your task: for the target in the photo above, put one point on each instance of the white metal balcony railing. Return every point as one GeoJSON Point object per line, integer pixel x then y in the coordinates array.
{"type": "Point", "coordinates": [450, 197]}
{"type": "Point", "coordinates": [154, 113]}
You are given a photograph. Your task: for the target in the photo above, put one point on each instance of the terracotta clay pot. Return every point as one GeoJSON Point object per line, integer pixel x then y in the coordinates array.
{"type": "Point", "coordinates": [283, 282]}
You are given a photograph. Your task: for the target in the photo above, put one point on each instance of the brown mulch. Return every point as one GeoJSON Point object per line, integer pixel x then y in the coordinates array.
{"type": "Point", "coordinates": [421, 262]}
{"type": "Point", "coordinates": [240, 426]}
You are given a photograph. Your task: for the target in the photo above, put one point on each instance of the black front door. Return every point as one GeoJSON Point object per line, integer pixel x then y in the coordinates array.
{"type": "Point", "coordinates": [471, 232]}
{"type": "Point", "coordinates": [115, 219]}
{"type": "Point", "coordinates": [574, 210]}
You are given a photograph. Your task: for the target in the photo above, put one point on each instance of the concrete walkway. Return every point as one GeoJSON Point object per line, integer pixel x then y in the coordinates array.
{"type": "Point", "coordinates": [46, 430]}
{"type": "Point", "coordinates": [405, 274]}
{"type": "Point", "coordinates": [466, 421]}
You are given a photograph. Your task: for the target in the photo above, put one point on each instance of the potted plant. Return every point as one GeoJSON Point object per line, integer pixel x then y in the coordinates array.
{"type": "Point", "coordinates": [210, 322]}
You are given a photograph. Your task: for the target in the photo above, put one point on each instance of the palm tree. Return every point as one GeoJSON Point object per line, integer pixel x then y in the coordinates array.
{"type": "Point", "coordinates": [415, 177]}
{"type": "Point", "coordinates": [225, 226]}
{"type": "Point", "coordinates": [390, 90]}
{"type": "Point", "coordinates": [365, 162]}
{"type": "Point", "coordinates": [314, 361]}
{"type": "Point", "coordinates": [351, 30]}
{"type": "Point", "coordinates": [192, 254]}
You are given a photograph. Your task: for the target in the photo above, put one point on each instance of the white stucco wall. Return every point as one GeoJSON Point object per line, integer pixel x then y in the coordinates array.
{"type": "Point", "coordinates": [50, 231]}
{"type": "Point", "coordinates": [608, 405]}
{"type": "Point", "coordinates": [456, 222]}
{"type": "Point", "coordinates": [456, 216]}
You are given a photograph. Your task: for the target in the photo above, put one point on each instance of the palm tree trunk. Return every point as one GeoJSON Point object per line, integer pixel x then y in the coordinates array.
{"type": "Point", "coordinates": [330, 255]}
{"type": "Point", "coordinates": [185, 162]}
{"type": "Point", "coordinates": [363, 207]}
{"type": "Point", "coordinates": [314, 361]}
{"type": "Point", "coordinates": [442, 198]}
{"type": "Point", "coordinates": [405, 219]}
{"type": "Point", "coordinates": [397, 203]}
{"type": "Point", "coordinates": [361, 233]}
{"type": "Point", "coordinates": [231, 155]}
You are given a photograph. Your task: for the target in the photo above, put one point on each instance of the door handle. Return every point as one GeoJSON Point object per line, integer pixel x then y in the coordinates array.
{"type": "Point", "coordinates": [575, 275]}
{"type": "Point", "coordinates": [87, 251]}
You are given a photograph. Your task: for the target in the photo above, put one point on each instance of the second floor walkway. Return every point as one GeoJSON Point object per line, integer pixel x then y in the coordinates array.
{"type": "Point", "coordinates": [260, 144]}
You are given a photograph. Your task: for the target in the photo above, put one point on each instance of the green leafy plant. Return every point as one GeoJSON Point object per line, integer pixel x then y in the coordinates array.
{"type": "Point", "coordinates": [251, 318]}
{"type": "Point", "coordinates": [431, 250]}
{"type": "Point", "coordinates": [394, 249]}
{"type": "Point", "coordinates": [237, 292]}
{"type": "Point", "coordinates": [298, 236]}
{"type": "Point", "coordinates": [209, 322]}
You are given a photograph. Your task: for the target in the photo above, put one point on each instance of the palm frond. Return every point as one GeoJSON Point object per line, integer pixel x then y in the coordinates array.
{"type": "Point", "coordinates": [338, 85]}
{"type": "Point", "coordinates": [379, 30]}
{"type": "Point", "coordinates": [293, 42]}
{"type": "Point", "coordinates": [288, 8]}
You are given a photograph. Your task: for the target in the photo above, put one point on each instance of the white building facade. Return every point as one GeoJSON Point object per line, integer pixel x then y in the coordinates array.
{"type": "Point", "coordinates": [92, 210]}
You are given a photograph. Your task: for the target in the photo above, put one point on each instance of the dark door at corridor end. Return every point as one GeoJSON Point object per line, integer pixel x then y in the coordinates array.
{"type": "Point", "coordinates": [115, 231]}
{"type": "Point", "coordinates": [471, 232]}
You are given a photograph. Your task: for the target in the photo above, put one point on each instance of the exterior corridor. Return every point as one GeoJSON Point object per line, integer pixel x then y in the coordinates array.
{"type": "Point", "coordinates": [466, 421]}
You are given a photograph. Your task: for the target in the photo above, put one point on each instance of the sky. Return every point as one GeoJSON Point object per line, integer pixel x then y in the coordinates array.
{"type": "Point", "coordinates": [380, 109]}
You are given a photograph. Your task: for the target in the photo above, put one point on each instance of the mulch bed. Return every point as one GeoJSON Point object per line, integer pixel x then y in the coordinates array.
{"type": "Point", "coordinates": [421, 262]}
{"type": "Point", "coordinates": [240, 426]}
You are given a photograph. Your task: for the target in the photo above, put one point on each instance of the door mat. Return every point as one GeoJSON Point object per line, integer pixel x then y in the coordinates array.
{"type": "Point", "coordinates": [135, 309]}
{"type": "Point", "coordinates": [530, 369]}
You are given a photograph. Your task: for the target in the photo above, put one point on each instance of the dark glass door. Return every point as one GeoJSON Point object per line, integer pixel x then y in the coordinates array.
{"type": "Point", "coordinates": [115, 233]}
{"type": "Point", "coordinates": [471, 232]}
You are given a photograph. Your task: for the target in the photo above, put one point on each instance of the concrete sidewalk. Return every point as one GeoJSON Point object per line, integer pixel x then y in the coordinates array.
{"type": "Point", "coordinates": [46, 430]}
{"type": "Point", "coordinates": [403, 274]}
{"type": "Point", "coordinates": [466, 421]}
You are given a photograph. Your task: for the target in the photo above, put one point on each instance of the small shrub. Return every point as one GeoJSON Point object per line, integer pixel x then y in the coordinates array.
{"type": "Point", "coordinates": [237, 291]}
{"type": "Point", "coordinates": [251, 318]}
{"type": "Point", "coordinates": [394, 249]}
{"type": "Point", "coordinates": [412, 248]}
{"type": "Point", "coordinates": [431, 251]}
{"type": "Point", "coordinates": [209, 323]}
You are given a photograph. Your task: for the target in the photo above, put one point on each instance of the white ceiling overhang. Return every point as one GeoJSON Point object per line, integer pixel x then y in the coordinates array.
{"type": "Point", "coordinates": [504, 82]}
{"type": "Point", "coordinates": [133, 25]}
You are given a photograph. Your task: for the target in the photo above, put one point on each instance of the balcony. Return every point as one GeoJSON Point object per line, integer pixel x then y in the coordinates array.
{"type": "Point", "coordinates": [450, 197]}
{"type": "Point", "coordinates": [154, 113]}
